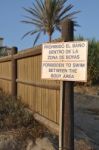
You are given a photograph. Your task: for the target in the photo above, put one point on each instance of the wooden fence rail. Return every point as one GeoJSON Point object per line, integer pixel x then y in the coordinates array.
{"type": "Point", "coordinates": [20, 75]}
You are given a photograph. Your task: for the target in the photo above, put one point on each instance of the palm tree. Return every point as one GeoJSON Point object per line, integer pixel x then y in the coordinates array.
{"type": "Point", "coordinates": [46, 16]}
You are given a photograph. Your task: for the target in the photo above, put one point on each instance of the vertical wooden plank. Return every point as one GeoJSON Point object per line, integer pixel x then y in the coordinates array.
{"type": "Point", "coordinates": [18, 77]}
{"type": "Point", "coordinates": [52, 105]}
{"type": "Point", "coordinates": [38, 88]}
{"type": "Point", "coordinates": [27, 86]}
{"type": "Point", "coordinates": [40, 59]}
{"type": "Point", "coordinates": [14, 72]}
{"type": "Point", "coordinates": [31, 97]}
{"type": "Point", "coordinates": [29, 79]}
{"type": "Point", "coordinates": [58, 105]}
{"type": "Point", "coordinates": [46, 103]}
{"type": "Point", "coordinates": [26, 78]}
{"type": "Point", "coordinates": [43, 97]}
{"type": "Point", "coordinates": [33, 88]}
{"type": "Point", "coordinates": [30, 103]}
{"type": "Point", "coordinates": [23, 78]}
{"type": "Point", "coordinates": [35, 79]}
{"type": "Point", "coordinates": [41, 101]}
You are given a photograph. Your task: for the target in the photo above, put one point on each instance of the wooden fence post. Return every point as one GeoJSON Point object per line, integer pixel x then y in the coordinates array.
{"type": "Point", "coordinates": [67, 131]}
{"type": "Point", "coordinates": [14, 73]}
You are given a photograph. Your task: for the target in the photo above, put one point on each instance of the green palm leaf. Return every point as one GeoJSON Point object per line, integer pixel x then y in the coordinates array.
{"type": "Point", "coordinates": [70, 15]}
{"type": "Point", "coordinates": [46, 16]}
{"type": "Point", "coordinates": [31, 11]}
{"type": "Point", "coordinates": [31, 22]}
{"type": "Point", "coordinates": [38, 35]}
{"type": "Point", "coordinates": [30, 33]}
{"type": "Point", "coordinates": [65, 10]}
{"type": "Point", "coordinates": [38, 21]}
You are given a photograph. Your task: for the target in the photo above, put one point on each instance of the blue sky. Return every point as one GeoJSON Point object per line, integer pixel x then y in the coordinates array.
{"type": "Point", "coordinates": [11, 13]}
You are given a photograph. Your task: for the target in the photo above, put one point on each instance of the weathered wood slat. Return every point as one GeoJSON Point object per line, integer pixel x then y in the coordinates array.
{"type": "Point", "coordinates": [33, 52]}
{"type": "Point", "coordinates": [5, 78]}
{"type": "Point", "coordinates": [39, 84]}
{"type": "Point", "coordinates": [46, 122]}
{"type": "Point", "coordinates": [5, 59]}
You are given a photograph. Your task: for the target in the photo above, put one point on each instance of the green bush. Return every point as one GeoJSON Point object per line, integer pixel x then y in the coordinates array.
{"type": "Point", "coordinates": [93, 61]}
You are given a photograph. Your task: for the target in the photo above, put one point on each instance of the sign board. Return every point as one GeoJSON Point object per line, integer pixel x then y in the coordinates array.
{"type": "Point", "coordinates": [65, 61]}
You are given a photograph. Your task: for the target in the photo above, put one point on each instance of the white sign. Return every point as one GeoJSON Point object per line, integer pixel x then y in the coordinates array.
{"type": "Point", "coordinates": [65, 61]}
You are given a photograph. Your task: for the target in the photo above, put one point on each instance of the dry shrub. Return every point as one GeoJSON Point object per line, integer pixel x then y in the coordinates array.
{"type": "Point", "coordinates": [14, 115]}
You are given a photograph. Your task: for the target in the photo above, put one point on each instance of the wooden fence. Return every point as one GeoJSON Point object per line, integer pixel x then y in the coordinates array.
{"type": "Point", "coordinates": [42, 96]}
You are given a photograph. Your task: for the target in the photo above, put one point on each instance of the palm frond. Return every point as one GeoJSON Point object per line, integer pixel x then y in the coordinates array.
{"type": "Point", "coordinates": [29, 33]}
{"type": "Point", "coordinates": [62, 2]}
{"type": "Point", "coordinates": [70, 15]}
{"type": "Point", "coordinates": [37, 20]}
{"type": "Point", "coordinates": [38, 35]}
{"type": "Point", "coordinates": [32, 12]}
{"type": "Point", "coordinates": [40, 5]}
{"type": "Point", "coordinates": [37, 9]}
{"type": "Point", "coordinates": [46, 16]}
{"type": "Point", "coordinates": [58, 28]}
{"type": "Point", "coordinates": [65, 11]}
{"type": "Point", "coordinates": [76, 24]}
{"type": "Point", "coordinates": [31, 22]}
